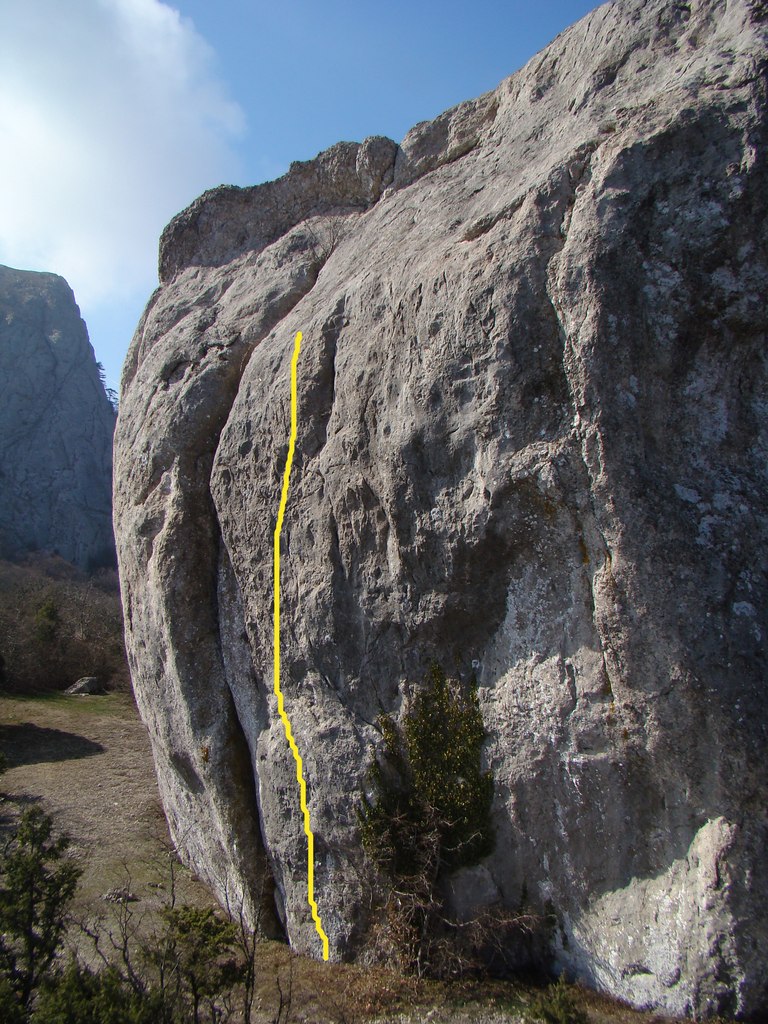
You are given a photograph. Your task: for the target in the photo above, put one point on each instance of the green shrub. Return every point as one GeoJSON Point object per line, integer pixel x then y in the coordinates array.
{"type": "Point", "coordinates": [433, 801]}
{"type": "Point", "coordinates": [558, 1005]}
{"type": "Point", "coordinates": [431, 815]}
{"type": "Point", "coordinates": [79, 996]}
{"type": "Point", "coordinates": [37, 883]}
{"type": "Point", "coordinates": [11, 1010]}
{"type": "Point", "coordinates": [47, 622]}
{"type": "Point", "coordinates": [191, 970]}
{"type": "Point", "coordinates": [194, 961]}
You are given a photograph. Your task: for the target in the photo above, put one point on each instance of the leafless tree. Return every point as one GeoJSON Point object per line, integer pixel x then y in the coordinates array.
{"type": "Point", "coordinates": [325, 235]}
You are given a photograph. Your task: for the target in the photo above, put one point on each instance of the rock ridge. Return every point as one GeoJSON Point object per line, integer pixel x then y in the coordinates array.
{"type": "Point", "coordinates": [229, 221]}
{"type": "Point", "coordinates": [56, 426]}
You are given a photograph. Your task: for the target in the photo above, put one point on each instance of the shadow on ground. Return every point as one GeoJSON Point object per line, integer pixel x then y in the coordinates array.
{"type": "Point", "coordinates": [26, 743]}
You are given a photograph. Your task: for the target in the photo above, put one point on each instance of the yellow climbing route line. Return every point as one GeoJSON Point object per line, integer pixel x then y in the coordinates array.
{"type": "Point", "coordinates": [278, 692]}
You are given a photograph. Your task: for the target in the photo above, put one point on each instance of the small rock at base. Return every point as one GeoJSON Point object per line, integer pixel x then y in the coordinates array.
{"type": "Point", "coordinates": [86, 685]}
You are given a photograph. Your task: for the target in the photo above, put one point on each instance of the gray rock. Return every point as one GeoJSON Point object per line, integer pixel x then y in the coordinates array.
{"type": "Point", "coordinates": [532, 444]}
{"type": "Point", "coordinates": [120, 895]}
{"type": "Point", "coordinates": [88, 685]}
{"type": "Point", "coordinates": [56, 426]}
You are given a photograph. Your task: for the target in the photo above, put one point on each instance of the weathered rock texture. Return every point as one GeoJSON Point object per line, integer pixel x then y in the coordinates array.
{"type": "Point", "coordinates": [56, 426]}
{"type": "Point", "coordinates": [532, 439]}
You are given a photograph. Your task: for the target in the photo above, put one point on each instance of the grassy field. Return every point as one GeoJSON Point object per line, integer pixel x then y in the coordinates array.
{"type": "Point", "coordinates": [87, 762]}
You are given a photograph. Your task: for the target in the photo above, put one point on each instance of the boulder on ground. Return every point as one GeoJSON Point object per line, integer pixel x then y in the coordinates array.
{"type": "Point", "coordinates": [89, 685]}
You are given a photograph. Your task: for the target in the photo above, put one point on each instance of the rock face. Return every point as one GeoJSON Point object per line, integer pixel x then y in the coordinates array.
{"type": "Point", "coordinates": [56, 426]}
{"type": "Point", "coordinates": [532, 442]}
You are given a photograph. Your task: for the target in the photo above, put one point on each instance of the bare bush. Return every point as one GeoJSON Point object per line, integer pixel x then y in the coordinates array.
{"type": "Point", "coordinates": [326, 234]}
{"type": "Point", "coordinates": [58, 624]}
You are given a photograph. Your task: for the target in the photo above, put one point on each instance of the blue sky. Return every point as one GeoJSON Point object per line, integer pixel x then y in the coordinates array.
{"type": "Point", "coordinates": [115, 114]}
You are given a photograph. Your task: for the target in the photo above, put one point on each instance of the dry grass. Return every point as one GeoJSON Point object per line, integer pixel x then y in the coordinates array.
{"type": "Point", "coordinates": [87, 761]}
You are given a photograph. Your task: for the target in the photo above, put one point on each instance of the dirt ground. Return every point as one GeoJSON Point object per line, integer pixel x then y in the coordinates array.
{"type": "Point", "coordinates": [87, 762]}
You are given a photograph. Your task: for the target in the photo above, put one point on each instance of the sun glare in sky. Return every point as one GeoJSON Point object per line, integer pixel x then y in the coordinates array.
{"type": "Point", "coordinates": [115, 114]}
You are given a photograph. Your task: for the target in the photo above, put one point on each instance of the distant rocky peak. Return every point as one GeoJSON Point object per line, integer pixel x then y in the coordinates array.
{"type": "Point", "coordinates": [56, 425]}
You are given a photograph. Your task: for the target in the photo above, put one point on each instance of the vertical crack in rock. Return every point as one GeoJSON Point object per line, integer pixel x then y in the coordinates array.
{"type": "Point", "coordinates": [198, 742]}
{"type": "Point", "coordinates": [183, 372]}
{"type": "Point", "coordinates": [251, 712]}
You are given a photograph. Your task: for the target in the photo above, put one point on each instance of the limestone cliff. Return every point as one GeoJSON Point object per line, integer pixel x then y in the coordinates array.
{"type": "Point", "coordinates": [532, 444]}
{"type": "Point", "coordinates": [56, 426]}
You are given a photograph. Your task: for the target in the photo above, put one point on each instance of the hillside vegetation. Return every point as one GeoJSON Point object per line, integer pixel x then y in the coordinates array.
{"type": "Point", "coordinates": [57, 624]}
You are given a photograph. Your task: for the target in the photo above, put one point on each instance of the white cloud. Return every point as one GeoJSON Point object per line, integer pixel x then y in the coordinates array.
{"type": "Point", "coordinates": [111, 120]}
